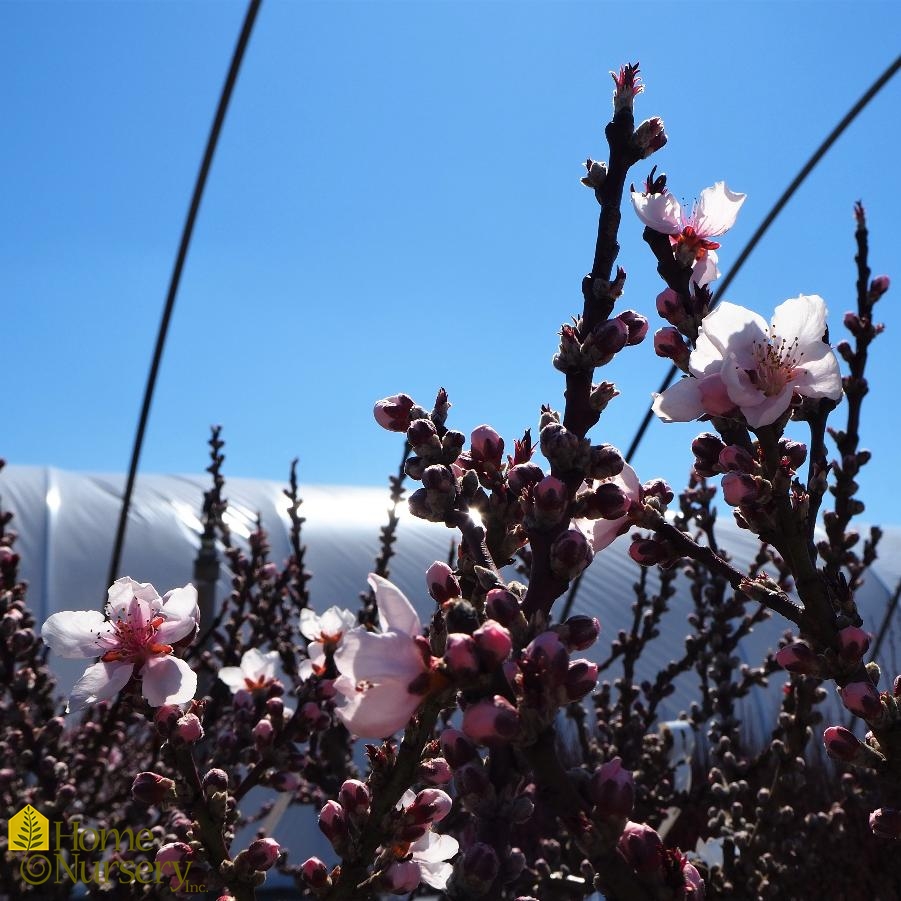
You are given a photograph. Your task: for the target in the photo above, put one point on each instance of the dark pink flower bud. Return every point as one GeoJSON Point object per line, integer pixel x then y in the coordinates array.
{"type": "Point", "coordinates": [694, 885]}
{"type": "Point", "coordinates": [442, 583]}
{"type": "Point", "coordinates": [579, 632]}
{"type": "Point", "coordinates": [263, 733]}
{"type": "Point", "coordinates": [610, 501]}
{"type": "Point", "coordinates": [503, 606]}
{"type": "Point", "coordinates": [491, 721]}
{"type": "Point", "coordinates": [480, 868]}
{"type": "Point", "coordinates": [739, 488]}
{"type": "Point", "coordinates": [333, 823]}
{"type": "Point", "coordinates": [435, 771]}
{"type": "Point", "coordinates": [563, 448]}
{"type": "Point", "coordinates": [581, 678]}
{"type": "Point", "coordinates": [798, 657]}
{"type": "Point", "coordinates": [152, 789]}
{"type": "Point", "coordinates": [886, 822]}
{"type": "Point", "coordinates": [456, 747]}
{"type": "Point", "coordinates": [736, 457]}
{"type": "Point", "coordinates": [522, 475]}
{"type": "Point", "coordinates": [423, 436]}
{"type": "Point", "coordinates": [431, 805]}
{"type": "Point", "coordinates": [166, 717]}
{"type": "Point", "coordinates": [460, 654]}
{"type": "Point", "coordinates": [670, 307]}
{"type": "Point", "coordinates": [853, 643]}
{"type": "Point", "coordinates": [670, 345]}
{"type": "Point", "coordinates": [551, 500]}
{"type": "Point", "coordinates": [174, 852]}
{"type": "Point", "coordinates": [493, 643]}
{"type": "Point", "coordinates": [570, 554]}
{"type": "Point", "coordinates": [707, 448]}
{"type": "Point", "coordinates": [657, 488]}
{"type": "Point", "coordinates": [841, 744]}
{"type": "Point", "coordinates": [641, 847]}
{"type": "Point", "coordinates": [401, 877]}
{"type": "Point", "coordinates": [605, 341]}
{"type": "Point", "coordinates": [546, 656]}
{"type": "Point", "coordinates": [862, 699]}
{"type": "Point", "coordinates": [393, 413]}
{"type": "Point", "coordinates": [878, 287]}
{"type": "Point", "coordinates": [215, 780]}
{"type": "Point", "coordinates": [315, 874]}
{"type": "Point", "coordinates": [793, 453]}
{"type": "Point", "coordinates": [636, 324]}
{"type": "Point", "coordinates": [353, 796]}
{"type": "Point", "coordinates": [605, 461]}
{"type": "Point", "coordinates": [472, 781]}
{"type": "Point", "coordinates": [188, 728]}
{"type": "Point", "coordinates": [263, 853]}
{"type": "Point", "coordinates": [612, 789]}
{"type": "Point", "coordinates": [487, 445]}
{"type": "Point", "coordinates": [439, 478]}
{"type": "Point", "coordinates": [649, 137]}
{"type": "Point", "coordinates": [648, 551]}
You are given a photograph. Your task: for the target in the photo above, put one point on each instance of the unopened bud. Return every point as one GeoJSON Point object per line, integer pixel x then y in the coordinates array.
{"type": "Point", "coordinates": [570, 554]}
{"type": "Point", "coordinates": [853, 643]}
{"type": "Point", "coordinates": [707, 448]}
{"type": "Point", "coordinates": [798, 657]}
{"type": "Point", "coordinates": [442, 583]}
{"type": "Point", "coordinates": [670, 307]}
{"type": "Point", "coordinates": [353, 796]}
{"type": "Point", "coordinates": [493, 643]}
{"type": "Point", "coordinates": [841, 744]}
{"type": "Point", "coordinates": [166, 717]}
{"type": "Point", "coordinates": [393, 413]}
{"type": "Point", "coordinates": [460, 654]}
{"type": "Point", "coordinates": [523, 475]}
{"type": "Point", "coordinates": [735, 457]}
{"type": "Point", "coordinates": [263, 853]}
{"type": "Point", "coordinates": [480, 868]}
{"type": "Point", "coordinates": [435, 771]}
{"type": "Point", "coordinates": [188, 728]}
{"type": "Point", "coordinates": [739, 488]}
{"type": "Point", "coordinates": [579, 632]}
{"type": "Point", "coordinates": [862, 698]}
{"type": "Point", "coordinates": [670, 345]}
{"type": "Point", "coordinates": [878, 287]}
{"type": "Point", "coordinates": [551, 499]}
{"type": "Point", "coordinates": [612, 789]}
{"type": "Point", "coordinates": [215, 780]}
{"type": "Point", "coordinates": [636, 324]}
{"type": "Point", "coordinates": [315, 874]}
{"type": "Point", "coordinates": [649, 137]}
{"type": "Point", "coordinates": [487, 445]}
{"type": "Point", "coordinates": [581, 678]}
{"type": "Point", "coordinates": [431, 805]}
{"type": "Point", "coordinates": [491, 721]}
{"type": "Point", "coordinates": [456, 748]}
{"type": "Point", "coordinates": [649, 551]}
{"type": "Point", "coordinates": [605, 461]}
{"type": "Point", "coordinates": [886, 822]}
{"type": "Point", "coordinates": [642, 848]}
{"type": "Point", "coordinates": [263, 733]}
{"type": "Point", "coordinates": [605, 341]}
{"type": "Point", "coordinates": [333, 823]}
{"type": "Point", "coordinates": [502, 605]}
{"type": "Point", "coordinates": [596, 174]}
{"type": "Point", "coordinates": [152, 789]}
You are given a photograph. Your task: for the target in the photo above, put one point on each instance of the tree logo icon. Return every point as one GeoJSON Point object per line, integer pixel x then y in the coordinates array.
{"type": "Point", "coordinates": [29, 830]}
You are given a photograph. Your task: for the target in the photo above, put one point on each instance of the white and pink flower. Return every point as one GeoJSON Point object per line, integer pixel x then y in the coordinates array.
{"type": "Point", "coordinates": [741, 363]}
{"type": "Point", "coordinates": [384, 676]}
{"type": "Point", "coordinates": [324, 633]}
{"type": "Point", "coordinates": [713, 215]}
{"type": "Point", "coordinates": [602, 532]}
{"type": "Point", "coordinates": [256, 673]}
{"type": "Point", "coordinates": [134, 637]}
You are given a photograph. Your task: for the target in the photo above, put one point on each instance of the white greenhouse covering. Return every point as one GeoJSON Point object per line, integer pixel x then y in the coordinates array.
{"type": "Point", "coordinates": [66, 523]}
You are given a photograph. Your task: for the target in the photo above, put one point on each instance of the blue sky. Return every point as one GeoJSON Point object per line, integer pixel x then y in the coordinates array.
{"type": "Point", "coordinates": [395, 206]}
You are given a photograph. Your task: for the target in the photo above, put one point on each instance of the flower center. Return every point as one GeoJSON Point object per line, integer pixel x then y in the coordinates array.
{"type": "Point", "coordinates": [134, 640]}
{"type": "Point", "coordinates": [777, 362]}
{"type": "Point", "coordinates": [690, 246]}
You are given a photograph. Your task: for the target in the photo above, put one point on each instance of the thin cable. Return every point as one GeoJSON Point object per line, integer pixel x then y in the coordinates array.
{"type": "Point", "coordinates": [798, 180]}
{"type": "Point", "coordinates": [771, 216]}
{"type": "Point", "coordinates": [213, 139]}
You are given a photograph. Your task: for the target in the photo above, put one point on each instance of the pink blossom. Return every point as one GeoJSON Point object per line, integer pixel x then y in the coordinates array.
{"type": "Point", "coordinates": [740, 362]}
{"type": "Point", "coordinates": [429, 855]}
{"type": "Point", "coordinates": [713, 215]}
{"type": "Point", "coordinates": [384, 676]}
{"type": "Point", "coordinates": [324, 633]}
{"type": "Point", "coordinates": [134, 637]}
{"type": "Point", "coordinates": [256, 673]}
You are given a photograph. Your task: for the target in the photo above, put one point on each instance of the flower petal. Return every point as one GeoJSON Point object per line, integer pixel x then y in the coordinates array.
{"type": "Point", "coordinates": [336, 621]}
{"type": "Point", "coordinates": [716, 210]}
{"type": "Point", "coordinates": [731, 328]}
{"type": "Point", "coordinates": [181, 603]}
{"type": "Point", "coordinates": [396, 613]}
{"type": "Point", "coordinates": [122, 591]}
{"type": "Point", "coordinates": [375, 656]}
{"type": "Point", "coordinates": [661, 212]}
{"type": "Point", "coordinates": [802, 318]}
{"type": "Point", "coordinates": [680, 402]}
{"type": "Point", "coordinates": [705, 269]}
{"type": "Point", "coordinates": [820, 376]}
{"type": "Point", "coordinates": [377, 711]}
{"type": "Point", "coordinates": [605, 531]}
{"type": "Point", "coordinates": [233, 677]}
{"type": "Point", "coordinates": [433, 847]}
{"type": "Point", "coordinates": [769, 409]}
{"type": "Point", "coordinates": [100, 681]}
{"type": "Point", "coordinates": [309, 624]}
{"type": "Point", "coordinates": [168, 680]}
{"type": "Point", "coordinates": [76, 633]}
